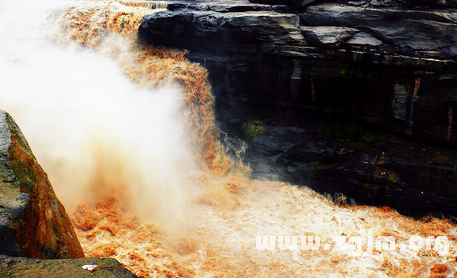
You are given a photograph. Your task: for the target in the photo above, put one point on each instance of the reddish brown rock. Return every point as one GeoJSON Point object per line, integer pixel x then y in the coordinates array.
{"type": "Point", "coordinates": [33, 222]}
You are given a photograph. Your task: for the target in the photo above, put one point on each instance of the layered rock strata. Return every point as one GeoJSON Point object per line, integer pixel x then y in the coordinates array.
{"type": "Point", "coordinates": [390, 64]}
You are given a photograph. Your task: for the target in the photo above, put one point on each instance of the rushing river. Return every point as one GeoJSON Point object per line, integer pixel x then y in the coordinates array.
{"type": "Point", "coordinates": [128, 137]}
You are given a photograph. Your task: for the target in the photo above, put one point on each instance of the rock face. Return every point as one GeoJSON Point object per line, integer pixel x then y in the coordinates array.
{"type": "Point", "coordinates": [335, 157]}
{"type": "Point", "coordinates": [389, 65]}
{"type": "Point", "coordinates": [386, 63]}
{"type": "Point", "coordinates": [417, 33]}
{"type": "Point", "coordinates": [31, 268]}
{"type": "Point", "coordinates": [33, 222]}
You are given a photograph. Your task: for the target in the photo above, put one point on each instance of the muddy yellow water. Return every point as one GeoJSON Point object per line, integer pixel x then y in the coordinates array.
{"type": "Point", "coordinates": [185, 210]}
{"type": "Point", "coordinates": [219, 237]}
{"type": "Point", "coordinates": [227, 211]}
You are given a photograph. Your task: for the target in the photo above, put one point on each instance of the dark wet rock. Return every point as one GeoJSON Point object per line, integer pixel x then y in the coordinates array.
{"type": "Point", "coordinates": [363, 40]}
{"type": "Point", "coordinates": [240, 31]}
{"type": "Point", "coordinates": [272, 2]}
{"type": "Point", "coordinates": [222, 7]}
{"type": "Point", "coordinates": [430, 3]}
{"type": "Point", "coordinates": [299, 3]}
{"type": "Point", "coordinates": [327, 36]}
{"type": "Point", "coordinates": [337, 158]}
{"type": "Point", "coordinates": [302, 3]}
{"type": "Point", "coordinates": [33, 222]}
{"type": "Point", "coordinates": [389, 63]}
{"type": "Point", "coordinates": [32, 268]}
{"type": "Point", "coordinates": [409, 31]}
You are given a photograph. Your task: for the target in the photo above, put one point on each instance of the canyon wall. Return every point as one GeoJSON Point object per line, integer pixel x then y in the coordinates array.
{"type": "Point", "coordinates": [390, 64]}
{"type": "Point", "coordinates": [278, 68]}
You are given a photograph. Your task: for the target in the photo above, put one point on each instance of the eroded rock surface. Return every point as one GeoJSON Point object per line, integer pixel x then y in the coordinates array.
{"type": "Point", "coordinates": [335, 157]}
{"type": "Point", "coordinates": [33, 222]}
{"type": "Point", "coordinates": [349, 59]}
{"type": "Point", "coordinates": [389, 65]}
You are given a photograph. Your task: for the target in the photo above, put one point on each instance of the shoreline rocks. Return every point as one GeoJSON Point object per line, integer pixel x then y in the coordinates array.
{"type": "Point", "coordinates": [37, 238]}
{"type": "Point", "coordinates": [33, 222]}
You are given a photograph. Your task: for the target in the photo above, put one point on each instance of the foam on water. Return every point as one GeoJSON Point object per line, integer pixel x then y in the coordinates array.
{"type": "Point", "coordinates": [127, 131]}
{"type": "Point", "coordinates": [95, 131]}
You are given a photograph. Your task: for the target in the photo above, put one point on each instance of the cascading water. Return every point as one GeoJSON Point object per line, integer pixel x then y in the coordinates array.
{"type": "Point", "coordinates": [127, 135]}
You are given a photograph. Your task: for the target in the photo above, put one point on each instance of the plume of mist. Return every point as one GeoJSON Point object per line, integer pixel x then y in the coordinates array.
{"type": "Point", "coordinates": [95, 133]}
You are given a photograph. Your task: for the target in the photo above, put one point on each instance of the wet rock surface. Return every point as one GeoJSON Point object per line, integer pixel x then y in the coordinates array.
{"type": "Point", "coordinates": [391, 63]}
{"type": "Point", "coordinates": [33, 222]}
{"type": "Point", "coordinates": [37, 238]}
{"type": "Point", "coordinates": [418, 32]}
{"type": "Point", "coordinates": [384, 65]}
{"type": "Point", "coordinates": [32, 268]}
{"type": "Point", "coordinates": [347, 161]}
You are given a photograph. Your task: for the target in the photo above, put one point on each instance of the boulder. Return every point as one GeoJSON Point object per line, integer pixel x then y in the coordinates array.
{"type": "Point", "coordinates": [363, 39]}
{"type": "Point", "coordinates": [33, 222]}
{"type": "Point", "coordinates": [327, 36]}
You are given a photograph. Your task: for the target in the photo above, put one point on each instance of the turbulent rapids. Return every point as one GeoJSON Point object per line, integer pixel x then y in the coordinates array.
{"type": "Point", "coordinates": [128, 136]}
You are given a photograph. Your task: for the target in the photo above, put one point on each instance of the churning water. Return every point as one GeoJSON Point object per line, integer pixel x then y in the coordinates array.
{"type": "Point", "coordinates": [127, 135]}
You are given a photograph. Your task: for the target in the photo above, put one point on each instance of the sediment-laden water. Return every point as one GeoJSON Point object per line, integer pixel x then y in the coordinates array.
{"type": "Point", "coordinates": [128, 137]}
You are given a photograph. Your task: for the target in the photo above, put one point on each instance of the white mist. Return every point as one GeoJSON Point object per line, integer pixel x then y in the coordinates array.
{"type": "Point", "coordinates": [94, 132]}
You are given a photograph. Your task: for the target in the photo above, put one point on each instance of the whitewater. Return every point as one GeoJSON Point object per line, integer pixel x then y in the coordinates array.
{"type": "Point", "coordinates": [128, 137]}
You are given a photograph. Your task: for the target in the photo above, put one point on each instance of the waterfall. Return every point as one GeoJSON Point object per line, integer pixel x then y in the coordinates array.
{"type": "Point", "coordinates": [96, 132]}
{"type": "Point", "coordinates": [128, 137]}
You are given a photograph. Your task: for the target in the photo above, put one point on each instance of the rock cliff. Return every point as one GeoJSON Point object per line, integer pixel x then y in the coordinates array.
{"type": "Point", "coordinates": [386, 63]}
{"type": "Point", "coordinates": [33, 222]}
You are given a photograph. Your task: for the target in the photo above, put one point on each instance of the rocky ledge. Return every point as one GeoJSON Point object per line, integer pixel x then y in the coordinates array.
{"type": "Point", "coordinates": [346, 161]}
{"type": "Point", "coordinates": [84, 267]}
{"type": "Point", "coordinates": [33, 222]}
{"type": "Point", "coordinates": [387, 63]}
{"type": "Point", "coordinates": [356, 31]}
{"type": "Point", "coordinates": [381, 65]}
{"type": "Point", "coordinates": [37, 238]}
